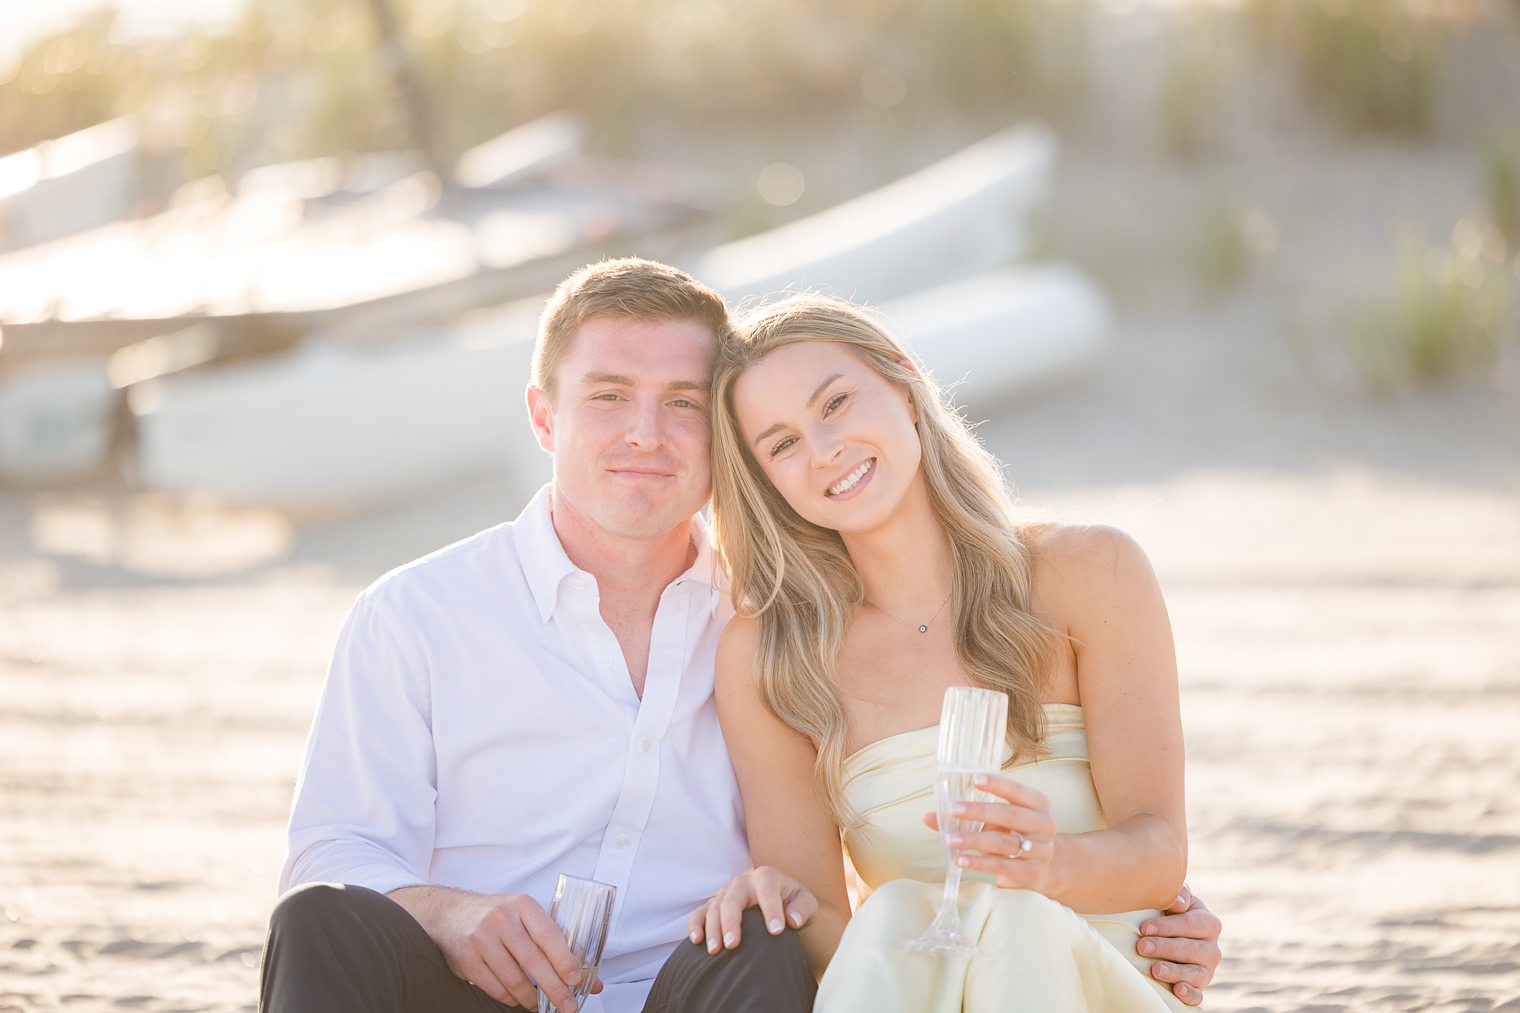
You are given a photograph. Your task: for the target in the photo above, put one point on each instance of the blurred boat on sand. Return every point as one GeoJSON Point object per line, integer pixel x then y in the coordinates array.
{"type": "Point", "coordinates": [963, 214]}
{"type": "Point", "coordinates": [298, 250]}
{"type": "Point", "coordinates": [339, 424]}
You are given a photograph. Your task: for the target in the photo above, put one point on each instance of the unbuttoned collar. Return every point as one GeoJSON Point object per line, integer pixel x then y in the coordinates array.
{"type": "Point", "coordinates": [547, 567]}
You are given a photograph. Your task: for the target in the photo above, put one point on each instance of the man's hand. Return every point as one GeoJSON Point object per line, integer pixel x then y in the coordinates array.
{"type": "Point", "coordinates": [501, 944]}
{"type": "Point", "coordinates": [781, 899]}
{"type": "Point", "coordinates": [1184, 943]}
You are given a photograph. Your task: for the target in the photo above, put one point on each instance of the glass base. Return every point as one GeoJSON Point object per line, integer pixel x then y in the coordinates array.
{"type": "Point", "coordinates": [942, 940]}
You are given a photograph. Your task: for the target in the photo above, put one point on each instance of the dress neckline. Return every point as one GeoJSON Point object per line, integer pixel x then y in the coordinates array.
{"type": "Point", "coordinates": [1064, 708]}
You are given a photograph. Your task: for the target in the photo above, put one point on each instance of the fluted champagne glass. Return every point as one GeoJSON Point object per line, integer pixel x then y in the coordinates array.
{"type": "Point", "coordinates": [973, 726]}
{"type": "Point", "coordinates": [582, 908]}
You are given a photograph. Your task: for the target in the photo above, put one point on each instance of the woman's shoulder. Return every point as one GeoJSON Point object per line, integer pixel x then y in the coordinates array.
{"type": "Point", "coordinates": [736, 650]}
{"type": "Point", "coordinates": [1073, 558]}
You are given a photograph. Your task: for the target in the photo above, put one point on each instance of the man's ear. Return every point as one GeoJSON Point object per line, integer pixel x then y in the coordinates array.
{"type": "Point", "coordinates": [541, 416]}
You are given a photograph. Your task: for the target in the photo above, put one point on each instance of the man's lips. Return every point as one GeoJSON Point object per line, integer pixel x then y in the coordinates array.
{"type": "Point", "coordinates": [642, 472]}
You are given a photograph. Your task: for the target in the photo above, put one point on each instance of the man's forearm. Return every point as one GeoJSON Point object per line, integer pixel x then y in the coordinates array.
{"type": "Point", "coordinates": [430, 905]}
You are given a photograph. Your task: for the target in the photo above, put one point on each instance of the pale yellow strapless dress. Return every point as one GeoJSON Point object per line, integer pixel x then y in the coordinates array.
{"type": "Point", "coordinates": [1036, 956]}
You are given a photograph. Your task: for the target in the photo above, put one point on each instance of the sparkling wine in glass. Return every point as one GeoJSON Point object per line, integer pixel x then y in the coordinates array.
{"type": "Point", "coordinates": [973, 726]}
{"type": "Point", "coordinates": [582, 908]}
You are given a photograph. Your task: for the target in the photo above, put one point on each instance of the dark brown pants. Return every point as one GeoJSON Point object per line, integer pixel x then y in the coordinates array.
{"type": "Point", "coordinates": [345, 949]}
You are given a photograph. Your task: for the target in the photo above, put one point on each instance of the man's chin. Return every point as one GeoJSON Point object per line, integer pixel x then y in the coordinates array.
{"type": "Point", "coordinates": [645, 520]}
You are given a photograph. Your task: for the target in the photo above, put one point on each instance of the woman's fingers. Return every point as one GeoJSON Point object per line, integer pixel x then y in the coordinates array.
{"type": "Point", "coordinates": [696, 925]}
{"type": "Point", "coordinates": [1009, 790]}
{"type": "Point", "coordinates": [997, 842]}
{"type": "Point", "coordinates": [1005, 816]}
{"type": "Point", "coordinates": [768, 893]}
{"type": "Point", "coordinates": [731, 907]}
{"type": "Point", "coordinates": [801, 906]}
{"type": "Point", "coordinates": [713, 923]}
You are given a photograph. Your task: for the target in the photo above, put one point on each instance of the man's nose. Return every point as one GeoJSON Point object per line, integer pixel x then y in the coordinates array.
{"type": "Point", "coordinates": [646, 430]}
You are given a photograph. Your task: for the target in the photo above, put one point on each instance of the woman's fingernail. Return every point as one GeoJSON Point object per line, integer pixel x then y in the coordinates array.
{"type": "Point", "coordinates": [712, 946]}
{"type": "Point", "coordinates": [979, 780]}
{"type": "Point", "coordinates": [729, 938]}
{"type": "Point", "coordinates": [959, 809]}
{"type": "Point", "coordinates": [954, 840]}
{"type": "Point", "coordinates": [695, 938]}
{"type": "Point", "coordinates": [797, 919]}
{"type": "Point", "coordinates": [1181, 900]}
{"type": "Point", "coordinates": [776, 924]}
{"type": "Point", "coordinates": [963, 862]}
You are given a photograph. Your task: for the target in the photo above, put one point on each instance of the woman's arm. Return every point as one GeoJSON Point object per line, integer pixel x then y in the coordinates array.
{"type": "Point", "coordinates": [789, 829]}
{"type": "Point", "coordinates": [1097, 585]}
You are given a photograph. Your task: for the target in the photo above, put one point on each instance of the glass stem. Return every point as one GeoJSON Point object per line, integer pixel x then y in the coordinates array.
{"type": "Point", "coordinates": [952, 887]}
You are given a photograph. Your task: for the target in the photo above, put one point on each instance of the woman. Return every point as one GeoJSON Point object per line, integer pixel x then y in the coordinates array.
{"type": "Point", "coordinates": [876, 560]}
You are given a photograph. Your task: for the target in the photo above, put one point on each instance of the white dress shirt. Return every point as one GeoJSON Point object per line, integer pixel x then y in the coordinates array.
{"type": "Point", "coordinates": [478, 729]}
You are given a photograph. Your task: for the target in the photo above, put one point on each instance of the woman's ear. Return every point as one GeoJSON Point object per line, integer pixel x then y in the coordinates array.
{"type": "Point", "coordinates": [908, 391]}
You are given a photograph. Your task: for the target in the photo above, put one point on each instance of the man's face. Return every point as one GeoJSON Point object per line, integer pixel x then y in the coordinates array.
{"type": "Point", "coordinates": [628, 426]}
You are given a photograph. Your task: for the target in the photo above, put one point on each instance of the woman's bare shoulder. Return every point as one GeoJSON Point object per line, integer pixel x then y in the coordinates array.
{"type": "Point", "coordinates": [1071, 557]}
{"type": "Point", "coordinates": [736, 651]}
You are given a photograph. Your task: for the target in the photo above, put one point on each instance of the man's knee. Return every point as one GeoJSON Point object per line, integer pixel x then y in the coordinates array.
{"type": "Point", "coordinates": [756, 941]}
{"type": "Point", "coordinates": [764, 972]}
{"type": "Point", "coordinates": [319, 908]}
{"type": "Point", "coordinates": [309, 903]}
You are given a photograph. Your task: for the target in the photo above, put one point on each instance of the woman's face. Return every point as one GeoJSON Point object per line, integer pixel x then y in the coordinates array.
{"type": "Point", "coordinates": [834, 436]}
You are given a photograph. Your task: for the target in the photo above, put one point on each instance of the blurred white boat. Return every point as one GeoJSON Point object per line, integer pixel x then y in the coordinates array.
{"type": "Point", "coordinates": [1005, 333]}
{"type": "Point", "coordinates": [334, 426]}
{"type": "Point", "coordinates": [963, 215]}
{"type": "Point", "coordinates": [57, 421]}
{"type": "Point", "coordinates": [340, 424]}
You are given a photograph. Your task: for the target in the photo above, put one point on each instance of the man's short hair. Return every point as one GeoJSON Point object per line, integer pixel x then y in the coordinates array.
{"type": "Point", "coordinates": [625, 287]}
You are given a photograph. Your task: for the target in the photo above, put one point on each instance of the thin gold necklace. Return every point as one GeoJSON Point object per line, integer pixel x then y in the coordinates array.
{"type": "Point", "coordinates": [921, 627]}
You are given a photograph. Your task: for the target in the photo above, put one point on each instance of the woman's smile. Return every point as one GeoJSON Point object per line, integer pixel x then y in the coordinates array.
{"type": "Point", "coordinates": [858, 478]}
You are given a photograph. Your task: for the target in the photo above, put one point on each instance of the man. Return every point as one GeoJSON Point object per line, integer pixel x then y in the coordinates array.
{"type": "Point", "coordinates": [537, 699]}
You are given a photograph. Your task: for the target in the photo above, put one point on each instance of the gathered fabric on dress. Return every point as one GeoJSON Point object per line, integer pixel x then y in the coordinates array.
{"type": "Point", "coordinates": [1036, 955]}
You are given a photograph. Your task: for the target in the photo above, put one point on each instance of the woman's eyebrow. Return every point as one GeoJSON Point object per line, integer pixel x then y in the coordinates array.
{"type": "Point", "coordinates": [810, 402]}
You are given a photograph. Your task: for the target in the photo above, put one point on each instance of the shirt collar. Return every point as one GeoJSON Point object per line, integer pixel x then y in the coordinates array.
{"type": "Point", "coordinates": [546, 566]}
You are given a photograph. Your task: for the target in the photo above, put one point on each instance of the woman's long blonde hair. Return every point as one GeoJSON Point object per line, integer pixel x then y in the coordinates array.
{"type": "Point", "coordinates": [797, 578]}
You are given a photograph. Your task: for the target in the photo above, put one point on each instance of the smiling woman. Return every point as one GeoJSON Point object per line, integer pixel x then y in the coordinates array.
{"type": "Point", "coordinates": [852, 507]}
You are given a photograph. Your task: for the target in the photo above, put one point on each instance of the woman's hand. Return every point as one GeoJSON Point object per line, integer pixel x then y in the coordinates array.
{"type": "Point", "coordinates": [781, 899]}
{"type": "Point", "coordinates": [1017, 842]}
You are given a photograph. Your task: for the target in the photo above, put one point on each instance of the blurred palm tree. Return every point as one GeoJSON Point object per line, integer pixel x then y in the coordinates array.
{"type": "Point", "coordinates": [421, 114]}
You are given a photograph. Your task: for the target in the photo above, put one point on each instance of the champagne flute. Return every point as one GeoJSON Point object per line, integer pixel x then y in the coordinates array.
{"type": "Point", "coordinates": [582, 908]}
{"type": "Point", "coordinates": [973, 725]}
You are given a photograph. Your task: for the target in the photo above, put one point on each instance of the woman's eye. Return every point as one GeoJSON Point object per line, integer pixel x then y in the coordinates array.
{"type": "Point", "coordinates": [783, 445]}
{"type": "Point", "coordinates": [833, 404]}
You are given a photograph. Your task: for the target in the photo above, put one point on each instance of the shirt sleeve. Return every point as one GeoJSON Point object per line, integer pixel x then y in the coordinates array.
{"type": "Point", "coordinates": [364, 810]}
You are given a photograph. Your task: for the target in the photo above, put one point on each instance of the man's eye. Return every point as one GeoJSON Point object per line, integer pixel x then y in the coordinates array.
{"type": "Point", "coordinates": [684, 403]}
{"type": "Point", "coordinates": [783, 445]}
{"type": "Point", "coordinates": [833, 404]}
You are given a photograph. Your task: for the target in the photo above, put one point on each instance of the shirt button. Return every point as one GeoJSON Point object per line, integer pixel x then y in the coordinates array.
{"type": "Point", "coordinates": [623, 841]}
{"type": "Point", "coordinates": [579, 585]}
{"type": "Point", "coordinates": [644, 746]}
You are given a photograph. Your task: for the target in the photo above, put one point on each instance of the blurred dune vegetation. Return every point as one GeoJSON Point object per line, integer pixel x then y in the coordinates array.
{"type": "Point", "coordinates": [687, 79]}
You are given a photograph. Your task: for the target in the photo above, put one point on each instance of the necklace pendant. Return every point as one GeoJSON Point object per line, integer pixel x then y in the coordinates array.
{"type": "Point", "coordinates": [923, 629]}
